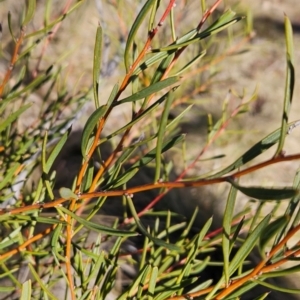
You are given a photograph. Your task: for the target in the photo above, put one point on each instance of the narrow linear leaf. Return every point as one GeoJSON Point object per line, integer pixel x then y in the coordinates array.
{"type": "Point", "coordinates": [192, 36]}
{"type": "Point", "coordinates": [56, 150]}
{"type": "Point", "coordinates": [266, 193]}
{"type": "Point", "coordinates": [243, 289]}
{"type": "Point", "coordinates": [253, 152]}
{"type": "Point", "coordinates": [161, 55]}
{"type": "Point", "coordinates": [223, 20]}
{"type": "Point", "coordinates": [133, 31]}
{"type": "Point", "coordinates": [30, 87]}
{"type": "Point", "coordinates": [10, 26]}
{"type": "Point", "coordinates": [271, 230]}
{"type": "Point", "coordinates": [153, 59]}
{"type": "Point", "coordinates": [55, 243]}
{"type": "Point", "coordinates": [47, 28]}
{"type": "Point", "coordinates": [90, 126]}
{"type": "Point", "coordinates": [154, 88]}
{"type": "Point", "coordinates": [96, 226]}
{"type": "Point", "coordinates": [12, 117]}
{"type": "Point", "coordinates": [177, 119]}
{"type": "Point", "coordinates": [152, 282]}
{"type": "Point", "coordinates": [12, 238]}
{"type": "Point", "coordinates": [289, 83]}
{"type": "Point", "coordinates": [138, 117]}
{"type": "Point", "coordinates": [145, 232]}
{"type": "Point", "coordinates": [99, 260]}
{"type": "Point", "coordinates": [277, 288]}
{"type": "Point", "coordinates": [227, 221]}
{"type": "Point", "coordinates": [141, 283]}
{"type": "Point", "coordinates": [174, 288]}
{"type": "Point", "coordinates": [32, 218]}
{"type": "Point", "coordinates": [190, 224]}
{"type": "Point", "coordinates": [44, 149]}
{"type": "Point", "coordinates": [132, 291]}
{"type": "Point", "coordinates": [160, 70]}
{"type": "Point", "coordinates": [10, 174]}
{"type": "Point", "coordinates": [26, 290]}
{"type": "Point", "coordinates": [191, 63]}
{"type": "Point", "coordinates": [145, 160]}
{"type": "Point", "coordinates": [280, 273]}
{"type": "Point", "coordinates": [112, 95]}
{"type": "Point", "coordinates": [152, 16]}
{"type": "Point", "coordinates": [200, 36]}
{"type": "Point", "coordinates": [262, 297]}
{"type": "Point", "coordinates": [161, 133]}
{"type": "Point", "coordinates": [31, 7]}
{"type": "Point", "coordinates": [41, 283]}
{"type": "Point", "coordinates": [248, 245]}
{"type": "Point", "coordinates": [157, 76]}
{"type": "Point", "coordinates": [97, 64]}
{"type": "Point", "coordinates": [186, 271]}
{"type": "Point", "coordinates": [88, 178]}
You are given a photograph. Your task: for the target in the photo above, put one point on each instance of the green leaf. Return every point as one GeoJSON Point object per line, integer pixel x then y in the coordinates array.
{"type": "Point", "coordinates": [31, 7]}
{"type": "Point", "coordinates": [112, 95]}
{"type": "Point", "coordinates": [160, 136]}
{"type": "Point", "coordinates": [13, 116]}
{"type": "Point", "coordinates": [152, 60]}
{"type": "Point", "coordinates": [56, 150]}
{"type": "Point", "coordinates": [271, 230]}
{"type": "Point", "coordinates": [145, 160]}
{"type": "Point", "coordinates": [187, 269]}
{"type": "Point", "coordinates": [41, 283]}
{"type": "Point", "coordinates": [9, 175]}
{"type": "Point", "coordinates": [282, 272]}
{"type": "Point", "coordinates": [138, 117]}
{"type": "Point", "coordinates": [67, 193]}
{"type": "Point", "coordinates": [152, 282]}
{"type": "Point", "coordinates": [12, 238]}
{"type": "Point", "coordinates": [99, 261]}
{"type": "Point", "coordinates": [10, 26]}
{"type": "Point", "coordinates": [262, 297]}
{"type": "Point", "coordinates": [26, 290]}
{"type": "Point", "coordinates": [177, 119]}
{"type": "Point", "coordinates": [224, 19]}
{"type": "Point", "coordinates": [97, 227]}
{"type": "Point", "coordinates": [88, 178]}
{"type": "Point", "coordinates": [248, 245]}
{"type": "Point", "coordinates": [227, 225]}
{"type": "Point", "coordinates": [61, 17]}
{"type": "Point", "coordinates": [90, 126]}
{"type": "Point", "coordinates": [253, 152]}
{"type": "Point", "coordinates": [30, 87]}
{"type": "Point", "coordinates": [277, 288]}
{"type": "Point", "coordinates": [145, 232]}
{"type": "Point", "coordinates": [133, 31]}
{"type": "Point", "coordinates": [157, 76]}
{"type": "Point", "coordinates": [289, 83]}
{"type": "Point", "coordinates": [97, 64]}
{"type": "Point", "coordinates": [137, 282]}
{"type": "Point", "coordinates": [55, 243]}
{"type": "Point", "coordinates": [242, 290]}
{"type": "Point", "coordinates": [154, 88]}
{"type": "Point", "coordinates": [266, 193]}
{"type": "Point", "coordinates": [215, 28]}
{"type": "Point", "coordinates": [191, 63]}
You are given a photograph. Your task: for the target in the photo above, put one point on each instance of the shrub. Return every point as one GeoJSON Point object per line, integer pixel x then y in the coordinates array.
{"type": "Point", "coordinates": [53, 231]}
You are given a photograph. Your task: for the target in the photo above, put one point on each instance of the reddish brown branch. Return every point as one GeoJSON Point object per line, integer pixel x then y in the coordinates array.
{"type": "Point", "coordinates": [13, 60]}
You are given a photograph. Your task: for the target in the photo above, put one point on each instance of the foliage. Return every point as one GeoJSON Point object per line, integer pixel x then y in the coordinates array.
{"type": "Point", "coordinates": [163, 57]}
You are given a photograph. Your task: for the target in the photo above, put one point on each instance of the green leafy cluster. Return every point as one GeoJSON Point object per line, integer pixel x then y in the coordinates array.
{"type": "Point", "coordinates": [39, 225]}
